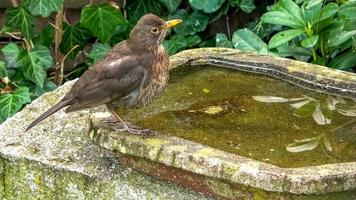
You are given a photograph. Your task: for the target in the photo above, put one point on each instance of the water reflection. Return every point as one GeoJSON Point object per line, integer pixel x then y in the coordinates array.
{"type": "Point", "coordinates": [322, 111]}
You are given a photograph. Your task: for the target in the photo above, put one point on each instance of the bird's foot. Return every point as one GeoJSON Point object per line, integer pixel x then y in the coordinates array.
{"type": "Point", "coordinates": [125, 126]}
{"type": "Point", "coordinates": [136, 130]}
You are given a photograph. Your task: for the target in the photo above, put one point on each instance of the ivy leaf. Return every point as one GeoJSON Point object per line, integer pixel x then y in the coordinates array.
{"type": "Point", "coordinates": [222, 11]}
{"type": "Point", "coordinates": [206, 6]}
{"type": "Point", "coordinates": [99, 51]}
{"type": "Point", "coordinates": [193, 23]}
{"type": "Point", "coordinates": [72, 36]}
{"type": "Point", "coordinates": [246, 5]}
{"type": "Point", "coordinates": [284, 37]}
{"type": "Point", "coordinates": [136, 9]}
{"type": "Point", "coordinates": [11, 103]}
{"type": "Point", "coordinates": [21, 19]}
{"type": "Point", "coordinates": [246, 40]}
{"type": "Point", "coordinates": [11, 51]}
{"type": "Point", "coordinates": [35, 64]}
{"type": "Point", "coordinates": [179, 42]}
{"type": "Point", "coordinates": [43, 7]}
{"type": "Point", "coordinates": [45, 37]}
{"type": "Point", "coordinates": [171, 5]}
{"type": "Point", "coordinates": [101, 20]}
{"type": "Point", "coordinates": [222, 41]}
{"type": "Point", "coordinates": [47, 86]}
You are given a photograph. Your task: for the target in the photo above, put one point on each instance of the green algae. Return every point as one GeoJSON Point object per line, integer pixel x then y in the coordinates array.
{"type": "Point", "coordinates": [214, 106]}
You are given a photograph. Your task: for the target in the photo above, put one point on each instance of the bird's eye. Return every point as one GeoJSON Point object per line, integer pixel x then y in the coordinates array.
{"type": "Point", "coordinates": [154, 30]}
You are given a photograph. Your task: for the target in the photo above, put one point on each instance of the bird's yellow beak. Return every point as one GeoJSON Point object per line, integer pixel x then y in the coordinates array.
{"type": "Point", "coordinates": [171, 23]}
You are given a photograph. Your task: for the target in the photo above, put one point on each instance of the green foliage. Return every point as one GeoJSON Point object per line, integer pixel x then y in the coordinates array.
{"type": "Point", "coordinates": [10, 103]}
{"type": "Point", "coordinates": [34, 64]}
{"type": "Point", "coordinates": [322, 32]}
{"type": "Point", "coordinates": [20, 19]}
{"type": "Point", "coordinates": [42, 7]}
{"type": "Point", "coordinates": [101, 20]}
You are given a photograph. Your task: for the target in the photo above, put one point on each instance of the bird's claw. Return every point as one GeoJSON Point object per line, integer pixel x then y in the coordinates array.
{"type": "Point", "coordinates": [136, 130]}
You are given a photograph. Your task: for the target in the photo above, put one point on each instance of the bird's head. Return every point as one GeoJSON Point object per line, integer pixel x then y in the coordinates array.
{"type": "Point", "coordinates": [150, 30]}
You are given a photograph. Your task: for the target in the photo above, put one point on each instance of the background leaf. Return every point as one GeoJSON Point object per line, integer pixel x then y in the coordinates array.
{"type": "Point", "coordinates": [222, 41]}
{"type": "Point", "coordinates": [178, 43]}
{"type": "Point", "coordinates": [101, 20]}
{"type": "Point", "coordinates": [206, 6]}
{"type": "Point", "coordinates": [171, 5]}
{"type": "Point", "coordinates": [11, 103]}
{"type": "Point", "coordinates": [348, 9]}
{"type": "Point", "coordinates": [35, 64]}
{"type": "Point", "coordinates": [246, 40]}
{"type": "Point", "coordinates": [192, 23]}
{"type": "Point", "coordinates": [98, 51]}
{"type": "Point", "coordinates": [21, 19]}
{"type": "Point", "coordinates": [245, 5]}
{"type": "Point", "coordinates": [72, 36]}
{"type": "Point", "coordinates": [310, 41]}
{"type": "Point", "coordinates": [11, 51]}
{"type": "Point", "coordinates": [136, 9]}
{"type": "Point", "coordinates": [43, 7]}
{"type": "Point", "coordinates": [284, 37]}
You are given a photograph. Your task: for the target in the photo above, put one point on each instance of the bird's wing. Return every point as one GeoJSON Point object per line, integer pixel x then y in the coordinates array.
{"type": "Point", "coordinates": [108, 80]}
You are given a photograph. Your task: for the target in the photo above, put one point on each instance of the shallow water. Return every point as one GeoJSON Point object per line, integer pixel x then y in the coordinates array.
{"type": "Point", "coordinates": [254, 116]}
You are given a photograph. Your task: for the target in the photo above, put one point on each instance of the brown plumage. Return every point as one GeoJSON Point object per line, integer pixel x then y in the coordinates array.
{"type": "Point", "coordinates": [132, 74]}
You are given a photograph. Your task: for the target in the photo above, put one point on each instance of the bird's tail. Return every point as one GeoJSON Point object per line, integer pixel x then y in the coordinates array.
{"type": "Point", "coordinates": [49, 112]}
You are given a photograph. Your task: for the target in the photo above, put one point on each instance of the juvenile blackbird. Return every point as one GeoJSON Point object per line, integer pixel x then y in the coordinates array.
{"type": "Point", "coordinates": [133, 74]}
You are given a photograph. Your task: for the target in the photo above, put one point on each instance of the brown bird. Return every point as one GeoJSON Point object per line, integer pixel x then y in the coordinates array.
{"type": "Point", "coordinates": [133, 74]}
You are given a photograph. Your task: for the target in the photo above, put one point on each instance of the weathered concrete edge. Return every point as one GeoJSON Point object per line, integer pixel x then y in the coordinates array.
{"type": "Point", "coordinates": [207, 161]}
{"type": "Point", "coordinates": [307, 75]}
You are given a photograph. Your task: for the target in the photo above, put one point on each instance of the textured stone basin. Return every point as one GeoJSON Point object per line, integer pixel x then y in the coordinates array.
{"type": "Point", "coordinates": [185, 151]}
{"type": "Point", "coordinates": [57, 159]}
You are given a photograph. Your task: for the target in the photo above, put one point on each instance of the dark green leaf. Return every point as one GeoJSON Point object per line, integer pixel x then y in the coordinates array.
{"type": "Point", "coordinates": [350, 25]}
{"type": "Point", "coordinates": [171, 5]}
{"type": "Point", "coordinates": [312, 15]}
{"type": "Point", "coordinates": [35, 64]}
{"type": "Point", "coordinates": [283, 37]}
{"type": "Point", "coordinates": [3, 72]}
{"type": "Point", "coordinates": [222, 11]}
{"type": "Point", "coordinates": [344, 61]}
{"type": "Point", "coordinates": [348, 9]}
{"type": "Point", "coordinates": [98, 51]}
{"type": "Point", "coordinates": [11, 51]}
{"type": "Point", "coordinates": [178, 43]}
{"type": "Point", "coordinates": [206, 6]}
{"type": "Point", "coordinates": [136, 9]}
{"type": "Point", "coordinates": [11, 103]}
{"type": "Point", "coordinates": [72, 36]}
{"type": "Point", "coordinates": [21, 19]}
{"type": "Point", "coordinates": [312, 4]}
{"type": "Point", "coordinates": [246, 40]}
{"type": "Point", "coordinates": [263, 29]}
{"type": "Point", "coordinates": [281, 18]}
{"type": "Point", "coordinates": [291, 9]}
{"type": "Point", "coordinates": [47, 86]}
{"type": "Point", "coordinates": [43, 7]}
{"type": "Point", "coordinates": [208, 43]}
{"type": "Point", "coordinates": [246, 5]}
{"type": "Point", "coordinates": [328, 11]}
{"type": "Point", "coordinates": [286, 50]}
{"type": "Point", "coordinates": [222, 41]}
{"type": "Point", "coordinates": [45, 37]}
{"type": "Point", "coordinates": [101, 20]}
{"type": "Point", "coordinates": [196, 22]}
{"type": "Point", "coordinates": [310, 41]}
{"type": "Point", "coordinates": [341, 38]}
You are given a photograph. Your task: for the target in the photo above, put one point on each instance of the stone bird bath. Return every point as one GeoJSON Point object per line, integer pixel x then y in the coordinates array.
{"type": "Point", "coordinates": [76, 156]}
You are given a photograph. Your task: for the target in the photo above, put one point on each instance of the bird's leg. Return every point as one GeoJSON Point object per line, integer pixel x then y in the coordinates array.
{"type": "Point", "coordinates": [126, 126]}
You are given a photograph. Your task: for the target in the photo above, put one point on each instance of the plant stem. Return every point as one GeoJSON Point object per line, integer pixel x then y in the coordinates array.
{"type": "Point", "coordinates": [228, 26]}
{"type": "Point", "coordinates": [57, 40]}
{"type": "Point", "coordinates": [314, 54]}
